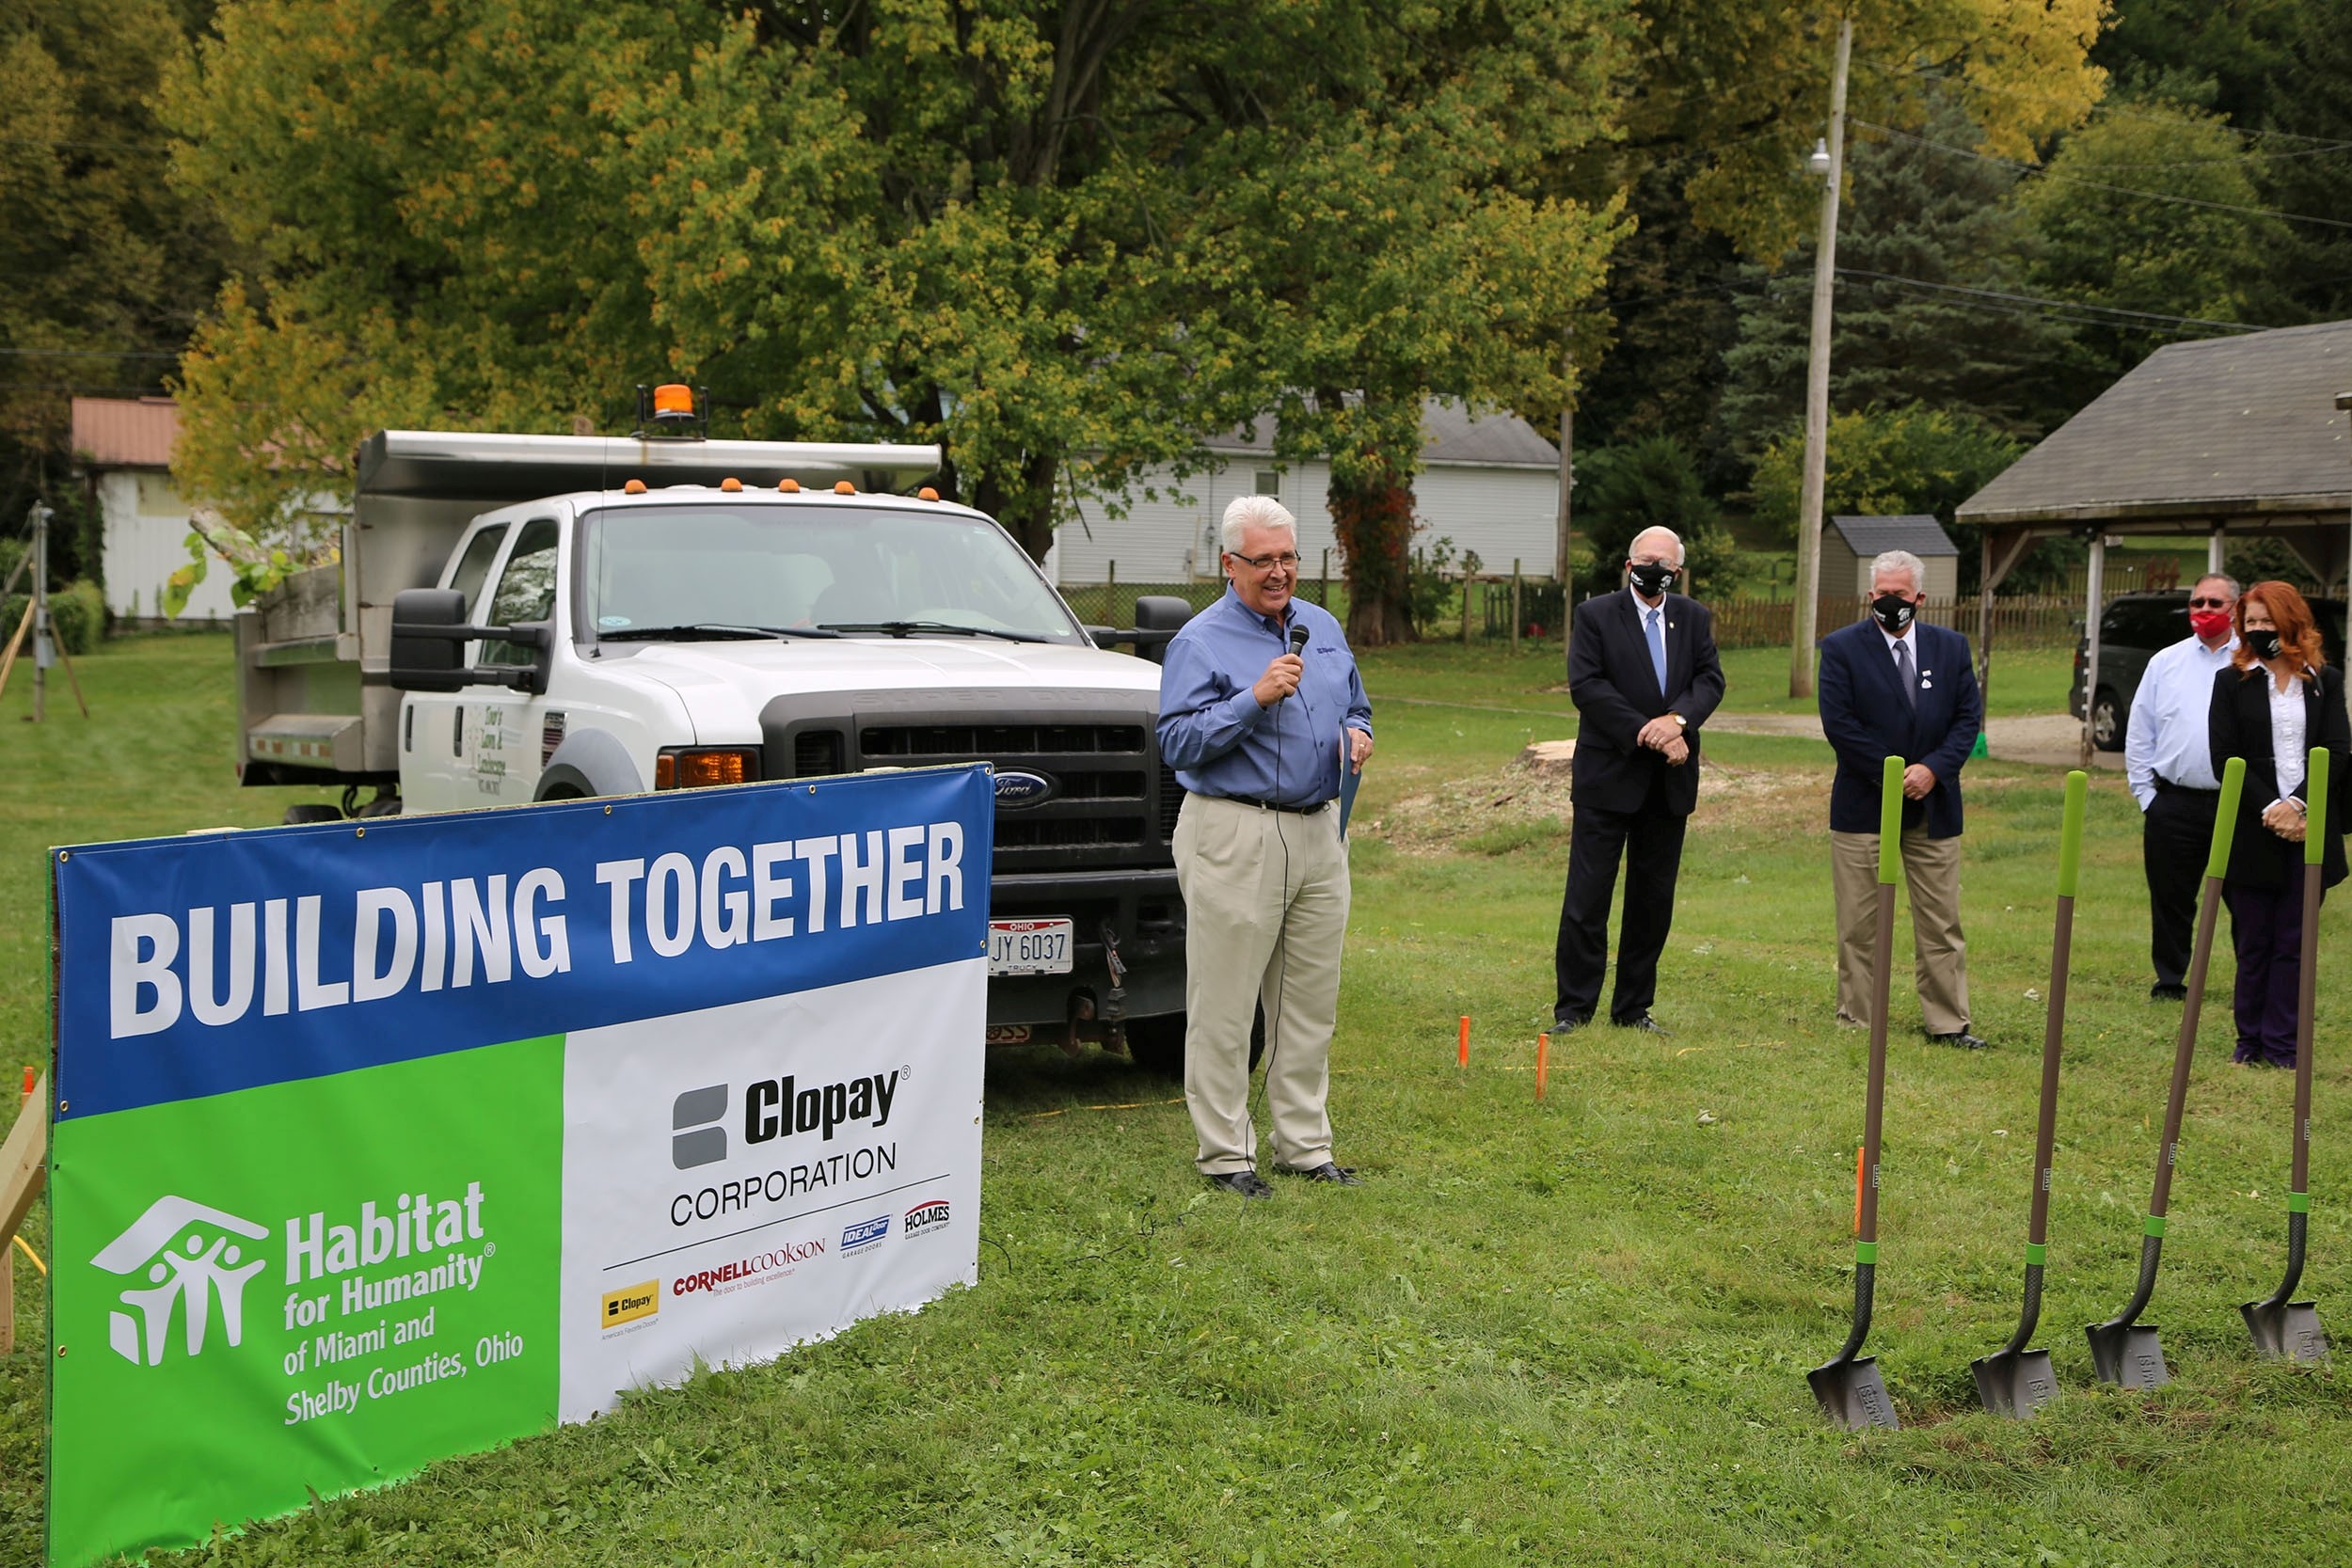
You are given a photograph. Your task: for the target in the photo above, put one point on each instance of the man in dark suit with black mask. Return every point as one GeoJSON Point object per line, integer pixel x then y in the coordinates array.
{"type": "Point", "coordinates": [1644, 675]}
{"type": "Point", "coordinates": [1894, 685]}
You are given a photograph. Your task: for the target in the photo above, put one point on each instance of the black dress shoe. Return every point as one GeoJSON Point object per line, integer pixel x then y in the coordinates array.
{"type": "Point", "coordinates": [1566, 1025]}
{"type": "Point", "coordinates": [1336, 1174]}
{"type": "Point", "coordinates": [1962, 1040]}
{"type": "Point", "coordinates": [1644, 1022]}
{"type": "Point", "coordinates": [2167, 990]}
{"type": "Point", "coordinates": [1243, 1184]}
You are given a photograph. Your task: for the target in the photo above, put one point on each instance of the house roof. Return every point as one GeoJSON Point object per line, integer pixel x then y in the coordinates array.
{"type": "Point", "coordinates": [2202, 433]}
{"type": "Point", "coordinates": [1922, 535]}
{"type": "Point", "coordinates": [1449, 434]}
{"type": "Point", "coordinates": [125, 432]}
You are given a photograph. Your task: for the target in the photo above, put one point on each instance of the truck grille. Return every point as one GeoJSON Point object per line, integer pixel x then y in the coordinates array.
{"type": "Point", "coordinates": [1112, 805]}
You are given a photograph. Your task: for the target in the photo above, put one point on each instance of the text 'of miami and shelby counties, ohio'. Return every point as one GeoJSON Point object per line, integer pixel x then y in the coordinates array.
{"type": "Point", "coordinates": [218, 964]}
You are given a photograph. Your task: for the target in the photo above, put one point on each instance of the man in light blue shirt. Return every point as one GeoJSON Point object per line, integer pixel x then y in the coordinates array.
{"type": "Point", "coordinates": [2169, 765]}
{"type": "Point", "coordinates": [1259, 727]}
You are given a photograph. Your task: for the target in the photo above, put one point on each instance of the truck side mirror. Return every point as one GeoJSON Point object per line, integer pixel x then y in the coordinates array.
{"type": "Point", "coordinates": [427, 662]}
{"type": "Point", "coordinates": [1160, 613]}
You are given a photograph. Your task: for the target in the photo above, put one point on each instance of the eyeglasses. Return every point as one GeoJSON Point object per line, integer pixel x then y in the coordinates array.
{"type": "Point", "coordinates": [2208, 603]}
{"type": "Point", "coordinates": [1287, 561]}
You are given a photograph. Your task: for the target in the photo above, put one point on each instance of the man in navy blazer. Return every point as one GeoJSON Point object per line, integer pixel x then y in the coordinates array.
{"type": "Point", "coordinates": [1894, 685]}
{"type": "Point", "coordinates": [1644, 675]}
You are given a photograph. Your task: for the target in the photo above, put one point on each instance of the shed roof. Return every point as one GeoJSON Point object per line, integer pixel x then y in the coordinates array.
{"type": "Point", "coordinates": [1922, 535]}
{"type": "Point", "coordinates": [125, 432]}
{"type": "Point", "coordinates": [2198, 433]}
{"type": "Point", "coordinates": [1450, 434]}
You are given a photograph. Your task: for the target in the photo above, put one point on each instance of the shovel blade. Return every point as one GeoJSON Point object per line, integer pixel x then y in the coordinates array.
{"type": "Point", "coordinates": [2014, 1382]}
{"type": "Point", "coordinates": [1852, 1394]}
{"type": "Point", "coordinates": [2286, 1329]}
{"type": "Point", "coordinates": [2128, 1355]}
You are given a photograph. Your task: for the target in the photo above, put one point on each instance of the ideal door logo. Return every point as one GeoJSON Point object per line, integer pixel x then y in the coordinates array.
{"type": "Point", "coordinates": [192, 1264]}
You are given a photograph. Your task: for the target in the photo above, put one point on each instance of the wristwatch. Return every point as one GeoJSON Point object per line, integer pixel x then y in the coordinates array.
{"type": "Point", "coordinates": [1681, 723]}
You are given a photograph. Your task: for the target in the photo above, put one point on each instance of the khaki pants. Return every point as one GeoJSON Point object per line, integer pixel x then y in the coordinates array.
{"type": "Point", "coordinates": [1265, 912]}
{"type": "Point", "coordinates": [1932, 869]}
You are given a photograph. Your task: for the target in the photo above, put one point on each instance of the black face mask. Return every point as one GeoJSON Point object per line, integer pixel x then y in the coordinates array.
{"type": "Point", "coordinates": [1653, 578]}
{"type": "Point", "coordinates": [1893, 612]}
{"type": "Point", "coordinates": [2264, 643]}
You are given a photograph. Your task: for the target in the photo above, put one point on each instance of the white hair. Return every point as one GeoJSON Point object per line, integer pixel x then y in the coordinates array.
{"type": "Point", "coordinates": [1258, 511]}
{"type": "Point", "coordinates": [1660, 529]}
{"type": "Point", "coordinates": [1903, 561]}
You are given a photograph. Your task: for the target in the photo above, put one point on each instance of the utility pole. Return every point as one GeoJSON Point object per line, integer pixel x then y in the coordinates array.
{"type": "Point", "coordinates": [1807, 607]}
{"type": "Point", "coordinates": [1567, 479]}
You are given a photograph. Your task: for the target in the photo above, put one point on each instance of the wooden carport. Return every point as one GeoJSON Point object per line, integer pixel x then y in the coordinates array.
{"type": "Point", "coordinates": [2244, 435]}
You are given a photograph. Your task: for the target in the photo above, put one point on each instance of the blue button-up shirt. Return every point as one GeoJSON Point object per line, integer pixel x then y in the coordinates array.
{"type": "Point", "coordinates": [1222, 742]}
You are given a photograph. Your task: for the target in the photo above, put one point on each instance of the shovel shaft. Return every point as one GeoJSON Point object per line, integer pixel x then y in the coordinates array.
{"type": "Point", "coordinates": [2184, 1047]}
{"type": "Point", "coordinates": [2029, 1317]}
{"type": "Point", "coordinates": [2307, 978]}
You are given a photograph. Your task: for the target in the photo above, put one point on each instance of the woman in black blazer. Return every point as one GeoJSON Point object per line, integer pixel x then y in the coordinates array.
{"type": "Point", "coordinates": [2277, 699]}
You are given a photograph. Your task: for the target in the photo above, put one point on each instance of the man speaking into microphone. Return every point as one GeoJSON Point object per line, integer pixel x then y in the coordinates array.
{"type": "Point", "coordinates": [1261, 708]}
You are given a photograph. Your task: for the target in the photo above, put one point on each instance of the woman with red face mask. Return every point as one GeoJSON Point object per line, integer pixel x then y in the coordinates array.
{"type": "Point", "coordinates": [2278, 699]}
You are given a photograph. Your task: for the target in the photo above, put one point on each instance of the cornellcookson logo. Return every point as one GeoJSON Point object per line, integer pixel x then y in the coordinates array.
{"type": "Point", "coordinates": [191, 1262]}
{"type": "Point", "coordinates": [927, 1218]}
{"type": "Point", "coordinates": [786, 1256]}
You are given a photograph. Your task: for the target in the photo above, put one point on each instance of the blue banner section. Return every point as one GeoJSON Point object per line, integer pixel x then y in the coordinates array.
{"type": "Point", "coordinates": [197, 966]}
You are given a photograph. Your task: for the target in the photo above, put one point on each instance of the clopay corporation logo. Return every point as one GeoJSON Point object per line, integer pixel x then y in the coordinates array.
{"type": "Point", "coordinates": [192, 1263]}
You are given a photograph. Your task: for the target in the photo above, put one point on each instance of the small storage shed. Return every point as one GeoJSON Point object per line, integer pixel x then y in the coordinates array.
{"type": "Point", "coordinates": [1848, 544]}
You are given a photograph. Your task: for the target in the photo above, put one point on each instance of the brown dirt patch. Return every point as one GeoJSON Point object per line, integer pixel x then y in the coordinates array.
{"type": "Point", "coordinates": [1503, 808]}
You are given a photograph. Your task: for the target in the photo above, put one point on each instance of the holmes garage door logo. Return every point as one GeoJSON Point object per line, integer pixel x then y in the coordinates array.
{"type": "Point", "coordinates": [191, 1261]}
{"type": "Point", "coordinates": [927, 1218]}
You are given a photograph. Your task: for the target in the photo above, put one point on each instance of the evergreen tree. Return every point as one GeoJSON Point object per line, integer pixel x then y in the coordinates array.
{"type": "Point", "coordinates": [1942, 220]}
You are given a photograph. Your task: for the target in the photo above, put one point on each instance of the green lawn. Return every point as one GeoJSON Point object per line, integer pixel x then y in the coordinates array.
{"type": "Point", "coordinates": [1572, 1330]}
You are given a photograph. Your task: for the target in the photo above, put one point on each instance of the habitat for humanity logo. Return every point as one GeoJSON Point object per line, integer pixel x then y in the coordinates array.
{"type": "Point", "coordinates": [184, 1247]}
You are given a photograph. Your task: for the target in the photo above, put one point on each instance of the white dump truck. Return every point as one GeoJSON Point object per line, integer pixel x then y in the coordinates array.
{"type": "Point", "coordinates": [521, 618]}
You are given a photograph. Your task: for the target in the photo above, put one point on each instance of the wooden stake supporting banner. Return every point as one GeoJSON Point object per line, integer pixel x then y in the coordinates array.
{"type": "Point", "coordinates": [23, 1163]}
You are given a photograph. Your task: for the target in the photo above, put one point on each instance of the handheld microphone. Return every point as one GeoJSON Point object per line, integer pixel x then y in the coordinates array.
{"type": "Point", "coordinates": [1298, 641]}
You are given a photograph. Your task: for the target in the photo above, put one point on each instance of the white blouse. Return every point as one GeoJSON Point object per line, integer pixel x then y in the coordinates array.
{"type": "Point", "coordinates": [2287, 747]}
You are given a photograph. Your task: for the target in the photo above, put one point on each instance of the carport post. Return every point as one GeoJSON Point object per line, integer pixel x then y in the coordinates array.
{"type": "Point", "coordinates": [2213, 552]}
{"type": "Point", "coordinates": [2095, 602]}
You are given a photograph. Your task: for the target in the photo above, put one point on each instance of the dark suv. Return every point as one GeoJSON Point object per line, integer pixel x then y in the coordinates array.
{"type": "Point", "coordinates": [2133, 628]}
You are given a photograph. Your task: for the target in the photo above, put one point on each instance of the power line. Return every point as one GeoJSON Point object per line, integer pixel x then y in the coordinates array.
{"type": "Point", "coordinates": [2046, 173]}
{"type": "Point", "coordinates": [83, 354]}
{"type": "Point", "coordinates": [2072, 306]}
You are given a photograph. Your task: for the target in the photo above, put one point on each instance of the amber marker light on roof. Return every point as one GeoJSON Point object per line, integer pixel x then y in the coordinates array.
{"type": "Point", "coordinates": [843, 487]}
{"type": "Point", "coordinates": [674, 401]}
{"type": "Point", "coordinates": [789, 486]}
{"type": "Point", "coordinates": [634, 487]}
{"type": "Point", "coordinates": [927, 493]}
{"type": "Point", "coordinates": [730, 484]}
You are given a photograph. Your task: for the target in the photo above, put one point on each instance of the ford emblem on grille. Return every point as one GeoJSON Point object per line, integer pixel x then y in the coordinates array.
{"type": "Point", "coordinates": [1015, 790]}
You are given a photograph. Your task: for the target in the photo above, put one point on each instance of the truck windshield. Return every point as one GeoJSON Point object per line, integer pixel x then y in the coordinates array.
{"type": "Point", "coordinates": [868, 570]}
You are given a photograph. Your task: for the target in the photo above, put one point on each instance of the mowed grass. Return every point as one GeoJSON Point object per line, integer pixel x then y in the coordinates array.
{"type": "Point", "coordinates": [1571, 1331]}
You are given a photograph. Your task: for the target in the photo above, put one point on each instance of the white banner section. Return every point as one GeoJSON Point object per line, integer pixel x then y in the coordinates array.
{"type": "Point", "coordinates": [745, 1178]}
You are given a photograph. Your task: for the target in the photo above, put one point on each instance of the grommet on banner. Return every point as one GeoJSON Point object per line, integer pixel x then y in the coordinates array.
{"type": "Point", "coordinates": [607, 811]}
{"type": "Point", "coordinates": [359, 832]}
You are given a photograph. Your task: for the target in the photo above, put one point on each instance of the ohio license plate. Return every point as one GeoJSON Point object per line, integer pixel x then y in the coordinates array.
{"type": "Point", "coordinates": [1028, 946]}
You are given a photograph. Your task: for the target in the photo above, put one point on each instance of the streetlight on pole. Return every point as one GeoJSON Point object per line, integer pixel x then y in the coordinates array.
{"type": "Point", "coordinates": [1828, 161]}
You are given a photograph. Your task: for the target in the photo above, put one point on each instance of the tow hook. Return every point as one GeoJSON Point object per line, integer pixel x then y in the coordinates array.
{"type": "Point", "coordinates": [1115, 1008]}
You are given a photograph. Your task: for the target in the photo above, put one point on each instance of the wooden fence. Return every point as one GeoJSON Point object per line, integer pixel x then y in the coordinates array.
{"type": "Point", "coordinates": [2041, 621]}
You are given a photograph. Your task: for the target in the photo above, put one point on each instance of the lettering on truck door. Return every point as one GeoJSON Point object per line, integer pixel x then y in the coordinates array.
{"type": "Point", "coordinates": [504, 737]}
{"type": "Point", "coordinates": [432, 738]}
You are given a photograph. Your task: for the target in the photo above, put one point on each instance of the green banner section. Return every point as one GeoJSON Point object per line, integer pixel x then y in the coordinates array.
{"type": "Point", "coordinates": [341, 1278]}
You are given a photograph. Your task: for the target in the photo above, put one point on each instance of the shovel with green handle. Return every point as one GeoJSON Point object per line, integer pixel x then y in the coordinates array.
{"type": "Point", "coordinates": [2013, 1380]}
{"type": "Point", "coordinates": [2282, 1327]}
{"type": "Point", "coordinates": [1847, 1386]}
{"type": "Point", "coordinates": [2124, 1349]}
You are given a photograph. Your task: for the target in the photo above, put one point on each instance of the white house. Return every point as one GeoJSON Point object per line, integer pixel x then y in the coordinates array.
{"type": "Point", "coordinates": [123, 446]}
{"type": "Point", "coordinates": [1489, 484]}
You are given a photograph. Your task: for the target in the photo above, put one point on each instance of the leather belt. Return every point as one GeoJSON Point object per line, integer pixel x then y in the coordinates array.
{"type": "Point", "coordinates": [2166, 786]}
{"type": "Point", "coordinates": [1271, 805]}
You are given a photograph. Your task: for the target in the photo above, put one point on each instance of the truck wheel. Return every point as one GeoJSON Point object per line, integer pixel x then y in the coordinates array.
{"type": "Point", "coordinates": [1157, 1044]}
{"type": "Point", "coordinates": [311, 814]}
{"type": "Point", "coordinates": [2106, 721]}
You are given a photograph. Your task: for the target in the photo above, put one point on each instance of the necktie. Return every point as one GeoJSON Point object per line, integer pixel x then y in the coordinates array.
{"type": "Point", "coordinates": [1658, 648]}
{"type": "Point", "coordinates": [1903, 673]}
